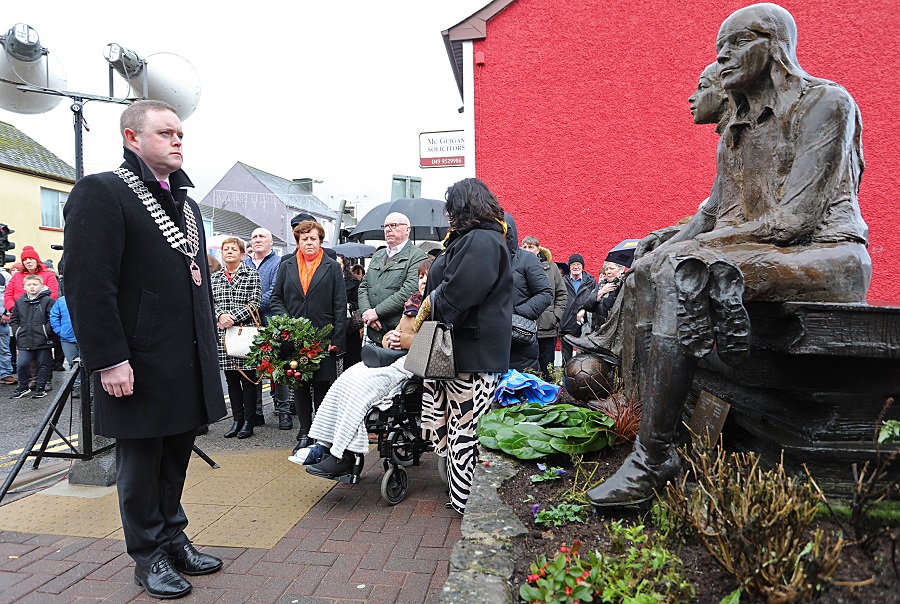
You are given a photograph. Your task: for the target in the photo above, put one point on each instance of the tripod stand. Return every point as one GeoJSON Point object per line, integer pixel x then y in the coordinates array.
{"type": "Point", "coordinates": [49, 424]}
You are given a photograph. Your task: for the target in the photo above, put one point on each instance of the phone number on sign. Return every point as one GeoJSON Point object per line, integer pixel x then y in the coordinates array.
{"type": "Point", "coordinates": [445, 161]}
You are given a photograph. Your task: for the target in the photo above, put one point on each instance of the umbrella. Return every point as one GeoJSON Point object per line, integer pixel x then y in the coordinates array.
{"type": "Point", "coordinates": [426, 219]}
{"type": "Point", "coordinates": [354, 250]}
{"type": "Point", "coordinates": [623, 253]}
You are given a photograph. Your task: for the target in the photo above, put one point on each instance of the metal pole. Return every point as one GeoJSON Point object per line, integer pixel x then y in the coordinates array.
{"type": "Point", "coordinates": [77, 107]}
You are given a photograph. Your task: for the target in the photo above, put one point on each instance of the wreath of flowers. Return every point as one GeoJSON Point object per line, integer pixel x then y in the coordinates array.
{"type": "Point", "coordinates": [289, 350]}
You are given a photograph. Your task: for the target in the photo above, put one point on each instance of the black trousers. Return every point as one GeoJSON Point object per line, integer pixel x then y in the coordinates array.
{"type": "Point", "coordinates": [547, 355]}
{"type": "Point", "coordinates": [150, 475]}
{"type": "Point", "coordinates": [306, 398]}
{"type": "Point", "coordinates": [242, 393]}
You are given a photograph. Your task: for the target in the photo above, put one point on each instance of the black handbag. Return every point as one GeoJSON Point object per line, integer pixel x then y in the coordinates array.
{"type": "Point", "coordinates": [431, 354]}
{"type": "Point", "coordinates": [524, 330]}
{"type": "Point", "coordinates": [376, 356]}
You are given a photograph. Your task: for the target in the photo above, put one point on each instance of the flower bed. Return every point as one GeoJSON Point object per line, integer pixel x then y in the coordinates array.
{"type": "Point", "coordinates": [858, 578]}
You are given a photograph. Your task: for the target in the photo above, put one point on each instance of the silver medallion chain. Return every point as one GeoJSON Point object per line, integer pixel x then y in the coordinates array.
{"type": "Point", "coordinates": [190, 245]}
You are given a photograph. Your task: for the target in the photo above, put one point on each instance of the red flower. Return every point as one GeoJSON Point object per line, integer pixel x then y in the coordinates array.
{"type": "Point", "coordinates": [265, 347]}
{"type": "Point", "coordinates": [285, 334]}
{"type": "Point", "coordinates": [568, 590]}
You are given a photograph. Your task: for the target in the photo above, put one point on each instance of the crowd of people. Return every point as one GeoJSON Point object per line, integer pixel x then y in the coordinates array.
{"type": "Point", "coordinates": [154, 334]}
{"type": "Point", "coordinates": [35, 329]}
{"type": "Point", "coordinates": [149, 309]}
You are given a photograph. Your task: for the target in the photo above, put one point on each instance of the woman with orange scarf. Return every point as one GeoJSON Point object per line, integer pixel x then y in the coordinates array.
{"type": "Point", "coordinates": [311, 285]}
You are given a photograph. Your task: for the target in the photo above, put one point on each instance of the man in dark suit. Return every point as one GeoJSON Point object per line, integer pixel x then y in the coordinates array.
{"type": "Point", "coordinates": [139, 295]}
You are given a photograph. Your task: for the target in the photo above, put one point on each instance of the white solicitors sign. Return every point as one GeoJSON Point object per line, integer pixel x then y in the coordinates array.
{"type": "Point", "coordinates": [445, 149]}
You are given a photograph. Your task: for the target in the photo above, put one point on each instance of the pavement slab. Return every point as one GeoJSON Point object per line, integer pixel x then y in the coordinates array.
{"type": "Point", "coordinates": [285, 536]}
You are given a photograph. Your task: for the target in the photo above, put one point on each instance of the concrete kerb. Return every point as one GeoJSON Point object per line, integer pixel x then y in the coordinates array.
{"type": "Point", "coordinates": [483, 561]}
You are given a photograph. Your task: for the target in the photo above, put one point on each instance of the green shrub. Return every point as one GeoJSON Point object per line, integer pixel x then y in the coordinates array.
{"type": "Point", "coordinates": [753, 522]}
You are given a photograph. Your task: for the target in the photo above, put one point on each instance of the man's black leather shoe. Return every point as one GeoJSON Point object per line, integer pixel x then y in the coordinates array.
{"type": "Point", "coordinates": [161, 581]}
{"type": "Point", "coordinates": [189, 561]}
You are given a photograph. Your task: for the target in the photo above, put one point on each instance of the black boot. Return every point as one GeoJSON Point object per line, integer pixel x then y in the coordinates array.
{"type": "Point", "coordinates": [285, 422]}
{"type": "Point", "coordinates": [303, 439]}
{"type": "Point", "coordinates": [233, 431]}
{"type": "Point", "coordinates": [246, 430]}
{"type": "Point", "coordinates": [655, 460]}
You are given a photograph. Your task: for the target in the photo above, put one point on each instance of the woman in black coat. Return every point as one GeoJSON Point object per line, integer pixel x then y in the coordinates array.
{"type": "Point", "coordinates": [532, 295]}
{"type": "Point", "coordinates": [310, 284]}
{"type": "Point", "coordinates": [469, 286]}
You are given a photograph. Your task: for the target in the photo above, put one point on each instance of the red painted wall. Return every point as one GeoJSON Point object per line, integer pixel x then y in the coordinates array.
{"type": "Point", "coordinates": [583, 128]}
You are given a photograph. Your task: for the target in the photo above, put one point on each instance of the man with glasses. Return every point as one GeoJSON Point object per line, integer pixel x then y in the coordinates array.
{"type": "Point", "coordinates": [392, 277]}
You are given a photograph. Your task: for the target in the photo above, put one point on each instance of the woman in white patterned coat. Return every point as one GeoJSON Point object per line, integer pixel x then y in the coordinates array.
{"type": "Point", "coordinates": [339, 426]}
{"type": "Point", "coordinates": [236, 290]}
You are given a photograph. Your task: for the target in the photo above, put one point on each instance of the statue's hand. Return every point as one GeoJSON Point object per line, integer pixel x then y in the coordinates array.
{"type": "Point", "coordinates": [647, 245]}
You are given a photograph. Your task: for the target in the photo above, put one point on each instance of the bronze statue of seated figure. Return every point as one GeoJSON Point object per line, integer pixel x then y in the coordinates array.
{"type": "Point", "coordinates": [782, 224]}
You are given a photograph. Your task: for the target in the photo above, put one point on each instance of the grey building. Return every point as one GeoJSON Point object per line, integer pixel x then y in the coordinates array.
{"type": "Point", "coordinates": [269, 201]}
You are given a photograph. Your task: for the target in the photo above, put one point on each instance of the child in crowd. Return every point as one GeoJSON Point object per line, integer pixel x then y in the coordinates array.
{"type": "Point", "coordinates": [30, 324]}
{"type": "Point", "coordinates": [62, 325]}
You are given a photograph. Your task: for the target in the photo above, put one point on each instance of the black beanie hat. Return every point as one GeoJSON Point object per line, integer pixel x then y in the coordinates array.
{"type": "Point", "coordinates": [576, 258]}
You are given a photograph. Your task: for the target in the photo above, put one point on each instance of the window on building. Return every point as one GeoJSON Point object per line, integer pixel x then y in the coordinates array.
{"type": "Point", "coordinates": [52, 203]}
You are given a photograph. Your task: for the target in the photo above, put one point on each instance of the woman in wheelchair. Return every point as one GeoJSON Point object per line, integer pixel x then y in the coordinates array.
{"type": "Point", "coordinates": [339, 428]}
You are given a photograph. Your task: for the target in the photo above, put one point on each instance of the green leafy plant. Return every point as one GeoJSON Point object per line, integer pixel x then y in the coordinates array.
{"type": "Point", "coordinates": [532, 431]}
{"type": "Point", "coordinates": [554, 473]}
{"type": "Point", "coordinates": [558, 515]}
{"type": "Point", "coordinates": [637, 571]}
{"type": "Point", "coordinates": [753, 522]}
{"type": "Point", "coordinates": [555, 374]}
{"type": "Point", "coordinates": [874, 486]}
{"type": "Point", "coordinates": [889, 433]}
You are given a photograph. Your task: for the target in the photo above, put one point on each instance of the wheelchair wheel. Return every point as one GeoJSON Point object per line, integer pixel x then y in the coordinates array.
{"type": "Point", "coordinates": [442, 470]}
{"type": "Point", "coordinates": [401, 442]}
{"type": "Point", "coordinates": [394, 485]}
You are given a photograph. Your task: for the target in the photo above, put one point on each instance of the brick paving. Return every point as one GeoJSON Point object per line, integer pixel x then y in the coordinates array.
{"type": "Point", "coordinates": [351, 548]}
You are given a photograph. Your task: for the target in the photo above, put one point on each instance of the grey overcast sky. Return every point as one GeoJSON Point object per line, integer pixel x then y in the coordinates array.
{"type": "Point", "coordinates": [332, 90]}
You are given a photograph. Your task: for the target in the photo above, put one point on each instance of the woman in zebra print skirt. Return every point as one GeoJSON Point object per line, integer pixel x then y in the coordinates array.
{"type": "Point", "coordinates": [470, 286]}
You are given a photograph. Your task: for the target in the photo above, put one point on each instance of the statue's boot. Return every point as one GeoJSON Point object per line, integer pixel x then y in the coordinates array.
{"type": "Point", "coordinates": [590, 343]}
{"type": "Point", "coordinates": [732, 323]}
{"type": "Point", "coordinates": [655, 460]}
{"type": "Point", "coordinates": [695, 332]}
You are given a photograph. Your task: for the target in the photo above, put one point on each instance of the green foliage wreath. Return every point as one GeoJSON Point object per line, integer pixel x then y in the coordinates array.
{"type": "Point", "coordinates": [289, 350]}
{"type": "Point", "coordinates": [531, 431]}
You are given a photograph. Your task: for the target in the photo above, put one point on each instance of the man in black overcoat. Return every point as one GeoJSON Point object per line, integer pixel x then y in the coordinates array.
{"type": "Point", "coordinates": [138, 289]}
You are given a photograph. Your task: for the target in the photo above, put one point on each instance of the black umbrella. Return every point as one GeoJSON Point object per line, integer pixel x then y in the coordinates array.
{"type": "Point", "coordinates": [426, 219]}
{"type": "Point", "coordinates": [354, 250]}
{"type": "Point", "coordinates": [623, 253]}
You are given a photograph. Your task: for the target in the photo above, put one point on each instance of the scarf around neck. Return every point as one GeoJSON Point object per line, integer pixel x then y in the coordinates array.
{"type": "Point", "coordinates": [305, 271]}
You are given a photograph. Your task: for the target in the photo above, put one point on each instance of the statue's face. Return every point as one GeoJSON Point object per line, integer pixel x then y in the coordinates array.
{"type": "Point", "coordinates": [709, 101]}
{"type": "Point", "coordinates": [742, 55]}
